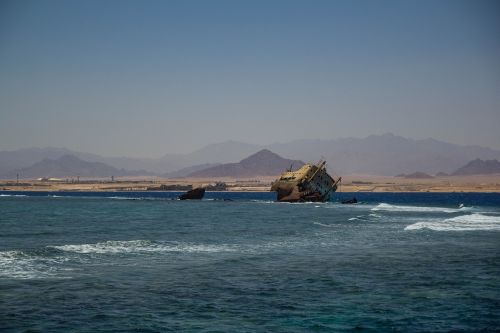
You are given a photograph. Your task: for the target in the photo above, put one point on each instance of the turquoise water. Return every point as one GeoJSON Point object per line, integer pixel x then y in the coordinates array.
{"type": "Point", "coordinates": [141, 262]}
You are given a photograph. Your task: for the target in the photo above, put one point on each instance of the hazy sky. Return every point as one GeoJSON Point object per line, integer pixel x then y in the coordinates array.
{"type": "Point", "coordinates": [142, 78]}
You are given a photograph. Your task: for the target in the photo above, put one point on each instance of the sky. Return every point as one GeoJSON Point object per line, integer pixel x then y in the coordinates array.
{"type": "Point", "coordinates": [145, 78]}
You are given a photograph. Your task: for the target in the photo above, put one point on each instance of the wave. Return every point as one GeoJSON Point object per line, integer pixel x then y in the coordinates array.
{"type": "Point", "coordinates": [51, 261]}
{"type": "Point", "coordinates": [364, 217]}
{"type": "Point", "coordinates": [460, 223]}
{"type": "Point", "coordinates": [13, 195]}
{"type": "Point", "coordinates": [22, 265]}
{"type": "Point", "coordinates": [418, 209]}
{"type": "Point", "coordinates": [145, 246]}
{"type": "Point", "coordinates": [324, 225]}
{"type": "Point", "coordinates": [142, 246]}
{"type": "Point", "coordinates": [56, 262]}
{"type": "Point", "coordinates": [264, 201]}
{"type": "Point", "coordinates": [123, 198]}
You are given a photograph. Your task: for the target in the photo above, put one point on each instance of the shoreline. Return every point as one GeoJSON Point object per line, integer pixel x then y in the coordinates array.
{"type": "Point", "coordinates": [236, 191]}
{"type": "Point", "coordinates": [351, 184]}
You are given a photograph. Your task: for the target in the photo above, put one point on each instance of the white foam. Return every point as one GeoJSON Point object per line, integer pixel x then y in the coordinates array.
{"type": "Point", "coordinates": [460, 223]}
{"type": "Point", "coordinates": [353, 219]}
{"type": "Point", "coordinates": [13, 195]}
{"type": "Point", "coordinates": [306, 203]}
{"type": "Point", "coordinates": [19, 265]}
{"type": "Point", "coordinates": [123, 198]}
{"type": "Point", "coordinates": [418, 209]}
{"type": "Point", "coordinates": [286, 244]}
{"type": "Point", "coordinates": [142, 246]}
{"type": "Point", "coordinates": [324, 225]}
{"type": "Point", "coordinates": [264, 201]}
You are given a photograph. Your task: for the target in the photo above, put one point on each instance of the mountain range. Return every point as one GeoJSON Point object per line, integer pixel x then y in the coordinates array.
{"type": "Point", "coordinates": [385, 154]}
{"type": "Point", "coordinates": [262, 163]}
{"type": "Point", "coordinates": [68, 166]}
{"type": "Point", "coordinates": [478, 167]}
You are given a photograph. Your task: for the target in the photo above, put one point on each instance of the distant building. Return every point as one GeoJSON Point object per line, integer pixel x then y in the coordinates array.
{"type": "Point", "coordinates": [218, 186]}
{"type": "Point", "coordinates": [50, 179]}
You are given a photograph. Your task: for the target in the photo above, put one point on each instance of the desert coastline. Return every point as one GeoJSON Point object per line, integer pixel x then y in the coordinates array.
{"type": "Point", "coordinates": [350, 183]}
{"type": "Point", "coordinates": [257, 171]}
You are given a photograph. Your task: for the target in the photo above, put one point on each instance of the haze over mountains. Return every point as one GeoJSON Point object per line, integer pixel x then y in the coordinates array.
{"type": "Point", "coordinates": [70, 166]}
{"type": "Point", "coordinates": [385, 154]}
{"type": "Point", "coordinates": [262, 163]}
{"type": "Point", "coordinates": [478, 167]}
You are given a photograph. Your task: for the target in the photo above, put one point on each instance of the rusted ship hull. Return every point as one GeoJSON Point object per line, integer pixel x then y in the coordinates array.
{"type": "Point", "coordinates": [311, 183]}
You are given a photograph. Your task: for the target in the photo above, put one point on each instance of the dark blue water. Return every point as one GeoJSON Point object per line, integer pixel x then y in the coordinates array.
{"type": "Point", "coordinates": [239, 262]}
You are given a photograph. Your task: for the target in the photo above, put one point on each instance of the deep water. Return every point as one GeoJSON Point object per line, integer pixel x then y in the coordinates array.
{"type": "Point", "coordinates": [239, 262]}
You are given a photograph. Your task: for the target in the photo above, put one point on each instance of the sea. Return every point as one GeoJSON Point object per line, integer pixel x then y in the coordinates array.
{"type": "Point", "coordinates": [241, 262]}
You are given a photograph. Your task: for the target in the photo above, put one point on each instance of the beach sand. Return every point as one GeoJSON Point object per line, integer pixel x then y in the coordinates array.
{"type": "Point", "coordinates": [350, 183]}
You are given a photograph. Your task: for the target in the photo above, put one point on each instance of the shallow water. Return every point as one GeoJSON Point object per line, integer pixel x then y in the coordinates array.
{"type": "Point", "coordinates": [141, 262]}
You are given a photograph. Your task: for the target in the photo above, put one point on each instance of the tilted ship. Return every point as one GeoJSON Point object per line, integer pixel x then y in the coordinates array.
{"type": "Point", "coordinates": [309, 183]}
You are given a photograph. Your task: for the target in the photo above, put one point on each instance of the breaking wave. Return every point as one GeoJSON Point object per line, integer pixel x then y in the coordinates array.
{"type": "Point", "coordinates": [324, 225]}
{"type": "Point", "coordinates": [460, 223]}
{"type": "Point", "coordinates": [418, 209]}
{"type": "Point", "coordinates": [141, 246]}
{"type": "Point", "coordinates": [123, 198]}
{"type": "Point", "coordinates": [264, 201]}
{"type": "Point", "coordinates": [365, 217]}
{"type": "Point", "coordinates": [145, 246]}
{"type": "Point", "coordinates": [52, 261]}
{"type": "Point", "coordinates": [22, 265]}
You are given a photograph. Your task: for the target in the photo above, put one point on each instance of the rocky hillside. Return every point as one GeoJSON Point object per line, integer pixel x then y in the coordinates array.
{"type": "Point", "coordinates": [262, 163]}
{"type": "Point", "coordinates": [69, 166]}
{"type": "Point", "coordinates": [385, 154]}
{"type": "Point", "coordinates": [478, 167]}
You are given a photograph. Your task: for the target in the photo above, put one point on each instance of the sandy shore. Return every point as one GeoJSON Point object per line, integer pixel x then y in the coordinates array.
{"type": "Point", "coordinates": [353, 183]}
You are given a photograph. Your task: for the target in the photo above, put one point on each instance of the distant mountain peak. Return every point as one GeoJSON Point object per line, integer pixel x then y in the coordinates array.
{"type": "Point", "coordinates": [478, 167]}
{"type": "Point", "coordinates": [381, 154]}
{"type": "Point", "coordinates": [231, 144]}
{"type": "Point", "coordinates": [264, 153]}
{"type": "Point", "coordinates": [262, 163]}
{"type": "Point", "coordinates": [70, 166]}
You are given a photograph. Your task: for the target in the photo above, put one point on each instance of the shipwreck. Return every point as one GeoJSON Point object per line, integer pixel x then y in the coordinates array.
{"type": "Point", "coordinates": [309, 183]}
{"type": "Point", "coordinates": [194, 194]}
